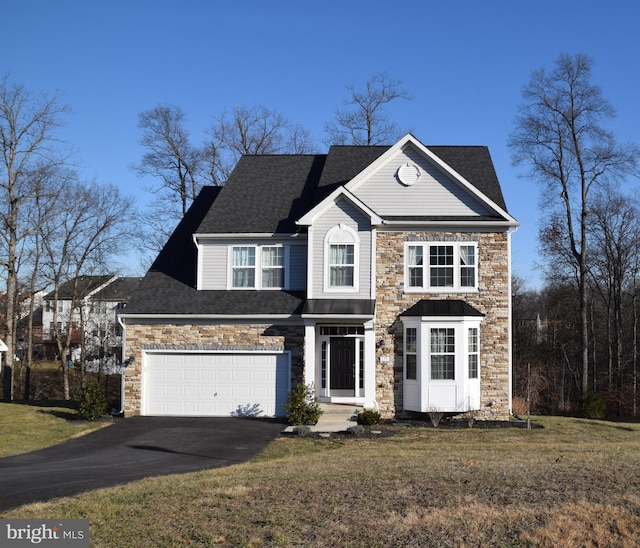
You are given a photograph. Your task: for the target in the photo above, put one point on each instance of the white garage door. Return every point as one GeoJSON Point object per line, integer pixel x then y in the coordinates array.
{"type": "Point", "coordinates": [215, 385]}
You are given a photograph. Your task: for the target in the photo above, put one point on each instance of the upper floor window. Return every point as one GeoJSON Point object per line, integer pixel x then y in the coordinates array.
{"type": "Point", "coordinates": [341, 263]}
{"type": "Point", "coordinates": [243, 266]}
{"type": "Point", "coordinates": [441, 266]}
{"type": "Point", "coordinates": [254, 267]}
{"type": "Point", "coordinates": [273, 266]}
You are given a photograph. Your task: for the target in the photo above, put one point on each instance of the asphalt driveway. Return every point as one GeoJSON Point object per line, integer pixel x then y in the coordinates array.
{"type": "Point", "coordinates": [131, 449]}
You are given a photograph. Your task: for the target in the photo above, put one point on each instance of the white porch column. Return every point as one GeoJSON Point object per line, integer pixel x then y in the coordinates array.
{"type": "Point", "coordinates": [369, 366]}
{"type": "Point", "coordinates": [309, 374]}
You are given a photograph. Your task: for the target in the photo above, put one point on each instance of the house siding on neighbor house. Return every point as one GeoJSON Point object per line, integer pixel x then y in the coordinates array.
{"type": "Point", "coordinates": [380, 276]}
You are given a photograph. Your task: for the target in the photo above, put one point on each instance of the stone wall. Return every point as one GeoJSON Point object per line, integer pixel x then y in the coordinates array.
{"type": "Point", "coordinates": [206, 337]}
{"type": "Point", "coordinates": [492, 299]}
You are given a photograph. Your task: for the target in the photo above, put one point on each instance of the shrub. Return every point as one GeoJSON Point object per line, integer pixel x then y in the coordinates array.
{"type": "Point", "coordinates": [93, 402]}
{"type": "Point", "coordinates": [435, 415]}
{"type": "Point", "coordinates": [594, 406]}
{"type": "Point", "coordinates": [519, 406]}
{"type": "Point", "coordinates": [367, 417]}
{"type": "Point", "coordinates": [303, 406]}
{"type": "Point", "coordinates": [355, 430]}
{"type": "Point", "coordinates": [301, 430]}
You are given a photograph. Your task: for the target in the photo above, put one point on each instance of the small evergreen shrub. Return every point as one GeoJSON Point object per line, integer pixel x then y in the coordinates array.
{"type": "Point", "coordinates": [367, 417]}
{"type": "Point", "coordinates": [594, 406]}
{"type": "Point", "coordinates": [303, 406]}
{"type": "Point", "coordinates": [355, 430]}
{"type": "Point", "coordinates": [93, 402]}
{"type": "Point", "coordinates": [301, 430]}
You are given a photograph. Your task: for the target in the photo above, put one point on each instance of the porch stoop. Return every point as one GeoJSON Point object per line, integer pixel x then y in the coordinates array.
{"type": "Point", "coordinates": [336, 417]}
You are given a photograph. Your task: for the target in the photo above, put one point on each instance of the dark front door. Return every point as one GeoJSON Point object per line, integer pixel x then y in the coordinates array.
{"type": "Point", "coordinates": [342, 356]}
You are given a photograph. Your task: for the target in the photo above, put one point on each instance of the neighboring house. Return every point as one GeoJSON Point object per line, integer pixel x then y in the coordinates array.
{"type": "Point", "coordinates": [379, 275]}
{"type": "Point", "coordinates": [94, 314]}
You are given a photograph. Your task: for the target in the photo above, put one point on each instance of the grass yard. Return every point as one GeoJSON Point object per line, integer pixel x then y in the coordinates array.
{"type": "Point", "coordinates": [572, 483]}
{"type": "Point", "coordinates": [25, 428]}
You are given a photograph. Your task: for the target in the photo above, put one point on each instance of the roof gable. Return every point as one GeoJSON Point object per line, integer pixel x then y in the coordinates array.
{"type": "Point", "coordinates": [339, 193]}
{"type": "Point", "coordinates": [411, 180]}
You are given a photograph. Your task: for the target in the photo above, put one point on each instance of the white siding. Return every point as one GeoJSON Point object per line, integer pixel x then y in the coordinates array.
{"type": "Point", "coordinates": [433, 194]}
{"type": "Point", "coordinates": [343, 212]}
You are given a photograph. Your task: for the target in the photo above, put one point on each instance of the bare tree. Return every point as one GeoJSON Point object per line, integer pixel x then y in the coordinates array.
{"type": "Point", "coordinates": [252, 130]}
{"type": "Point", "coordinates": [363, 121]}
{"type": "Point", "coordinates": [82, 238]}
{"type": "Point", "coordinates": [614, 232]}
{"type": "Point", "coordinates": [558, 134]}
{"type": "Point", "coordinates": [28, 146]}
{"type": "Point", "coordinates": [171, 157]}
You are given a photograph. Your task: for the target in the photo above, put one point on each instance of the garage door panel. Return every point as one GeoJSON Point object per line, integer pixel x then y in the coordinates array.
{"type": "Point", "coordinates": [210, 384]}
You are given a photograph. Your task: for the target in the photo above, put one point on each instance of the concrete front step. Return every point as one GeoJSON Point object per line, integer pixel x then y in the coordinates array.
{"type": "Point", "coordinates": [335, 418]}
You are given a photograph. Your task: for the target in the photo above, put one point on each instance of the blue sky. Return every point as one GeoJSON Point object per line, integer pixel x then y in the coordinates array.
{"type": "Point", "coordinates": [464, 63]}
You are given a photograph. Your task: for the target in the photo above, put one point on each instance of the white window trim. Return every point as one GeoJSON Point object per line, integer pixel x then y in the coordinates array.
{"type": "Point", "coordinates": [457, 268]}
{"type": "Point", "coordinates": [258, 267]}
{"type": "Point", "coordinates": [329, 240]}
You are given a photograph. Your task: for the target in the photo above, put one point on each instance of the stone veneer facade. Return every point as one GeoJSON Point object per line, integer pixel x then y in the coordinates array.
{"type": "Point", "coordinates": [200, 335]}
{"type": "Point", "coordinates": [492, 299]}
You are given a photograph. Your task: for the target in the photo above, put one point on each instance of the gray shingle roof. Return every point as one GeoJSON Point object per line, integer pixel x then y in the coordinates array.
{"type": "Point", "coordinates": [444, 307]}
{"type": "Point", "coordinates": [86, 284]}
{"type": "Point", "coordinates": [266, 194]}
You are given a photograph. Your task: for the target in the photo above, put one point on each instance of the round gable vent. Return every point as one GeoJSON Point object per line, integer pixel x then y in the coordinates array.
{"type": "Point", "coordinates": [408, 174]}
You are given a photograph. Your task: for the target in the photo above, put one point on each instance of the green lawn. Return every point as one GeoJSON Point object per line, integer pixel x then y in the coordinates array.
{"type": "Point", "coordinates": [25, 428]}
{"type": "Point", "coordinates": [572, 483]}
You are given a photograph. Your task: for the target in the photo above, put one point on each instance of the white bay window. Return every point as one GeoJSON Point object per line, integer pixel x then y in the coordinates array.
{"type": "Point", "coordinates": [441, 359]}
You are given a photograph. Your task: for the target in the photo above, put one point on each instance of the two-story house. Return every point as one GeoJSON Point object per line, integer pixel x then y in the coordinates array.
{"type": "Point", "coordinates": [92, 305]}
{"type": "Point", "coordinates": [378, 275]}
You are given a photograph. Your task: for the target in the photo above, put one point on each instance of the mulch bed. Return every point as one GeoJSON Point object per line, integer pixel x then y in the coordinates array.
{"type": "Point", "coordinates": [388, 428]}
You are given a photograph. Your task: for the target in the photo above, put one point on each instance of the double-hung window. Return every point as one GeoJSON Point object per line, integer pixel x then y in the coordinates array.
{"type": "Point", "coordinates": [411, 353]}
{"type": "Point", "coordinates": [473, 350]}
{"type": "Point", "coordinates": [272, 266]}
{"type": "Point", "coordinates": [341, 265]}
{"type": "Point", "coordinates": [341, 259]}
{"type": "Point", "coordinates": [258, 267]}
{"type": "Point", "coordinates": [443, 353]}
{"type": "Point", "coordinates": [441, 266]}
{"type": "Point", "coordinates": [243, 266]}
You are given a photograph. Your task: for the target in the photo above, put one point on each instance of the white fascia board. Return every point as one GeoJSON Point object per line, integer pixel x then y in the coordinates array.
{"type": "Point", "coordinates": [247, 236]}
{"type": "Point", "coordinates": [337, 317]}
{"type": "Point", "coordinates": [484, 225]}
{"type": "Point", "coordinates": [442, 319]}
{"type": "Point", "coordinates": [309, 218]}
